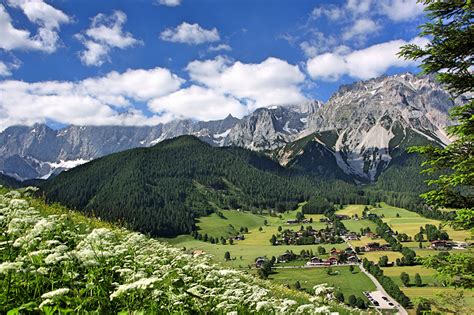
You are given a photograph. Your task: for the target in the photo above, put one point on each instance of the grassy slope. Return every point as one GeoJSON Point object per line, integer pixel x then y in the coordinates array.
{"type": "Point", "coordinates": [216, 226]}
{"type": "Point", "coordinates": [83, 224]}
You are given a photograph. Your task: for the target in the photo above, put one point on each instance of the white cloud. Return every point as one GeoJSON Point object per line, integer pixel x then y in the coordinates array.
{"type": "Point", "coordinates": [401, 10]}
{"type": "Point", "coordinates": [360, 29]}
{"type": "Point", "coordinates": [332, 12]}
{"type": "Point", "coordinates": [107, 100]}
{"type": "Point", "coordinates": [271, 82]}
{"type": "Point", "coordinates": [220, 47]}
{"type": "Point", "coordinates": [199, 103]}
{"type": "Point", "coordinates": [357, 7]}
{"type": "Point", "coordinates": [318, 43]}
{"type": "Point", "coordinates": [4, 70]}
{"type": "Point", "coordinates": [169, 3]}
{"type": "Point", "coordinates": [104, 34]}
{"type": "Point", "coordinates": [361, 64]}
{"type": "Point", "coordinates": [191, 34]}
{"type": "Point", "coordinates": [38, 12]}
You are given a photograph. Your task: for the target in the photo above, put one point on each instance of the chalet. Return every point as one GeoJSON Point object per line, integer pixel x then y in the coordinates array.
{"type": "Point", "coordinates": [285, 257]}
{"type": "Point", "coordinates": [370, 247]}
{"type": "Point", "coordinates": [371, 235]}
{"type": "Point", "coordinates": [333, 260]}
{"type": "Point", "coordinates": [259, 262]}
{"type": "Point", "coordinates": [441, 245]}
{"type": "Point", "coordinates": [335, 251]}
{"type": "Point", "coordinates": [352, 237]}
{"type": "Point", "coordinates": [352, 259]}
{"type": "Point", "coordinates": [324, 220]}
{"type": "Point", "coordinates": [342, 217]}
{"type": "Point", "coordinates": [292, 221]}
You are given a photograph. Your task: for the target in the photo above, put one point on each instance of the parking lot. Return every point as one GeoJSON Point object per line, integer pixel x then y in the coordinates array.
{"type": "Point", "coordinates": [378, 299]}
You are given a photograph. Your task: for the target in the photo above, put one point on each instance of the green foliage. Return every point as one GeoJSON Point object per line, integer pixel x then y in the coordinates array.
{"type": "Point", "coordinates": [418, 281]}
{"type": "Point", "coordinates": [456, 268]}
{"type": "Point", "coordinates": [449, 55]}
{"type": "Point", "coordinates": [405, 279]}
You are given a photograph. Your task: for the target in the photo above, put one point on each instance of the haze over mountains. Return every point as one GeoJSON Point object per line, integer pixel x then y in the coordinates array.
{"type": "Point", "coordinates": [358, 131]}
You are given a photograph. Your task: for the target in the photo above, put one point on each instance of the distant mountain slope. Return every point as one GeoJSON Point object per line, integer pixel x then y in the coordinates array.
{"type": "Point", "coordinates": [39, 151]}
{"type": "Point", "coordinates": [162, 189]}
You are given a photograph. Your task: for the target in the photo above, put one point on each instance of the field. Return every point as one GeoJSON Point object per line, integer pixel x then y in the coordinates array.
{"type": "Point", "coordinates": [355, 226]}
{"type": "Point", "coordinates": [427, 275]}
{"type": "Point", "coordinates": [216, 226]}
{"type": "Point", "coordinates": [342, 279]}
{"type": "Point", "coordinates": [409, 222]}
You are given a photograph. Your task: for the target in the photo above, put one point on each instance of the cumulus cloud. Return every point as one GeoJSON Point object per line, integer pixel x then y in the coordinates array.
{"type": "Point", "coordinates": [197, 102]}
{"type": "Point", "coordinates": [220, 47]}
{"type": "Point", "coordinates": [104, 34]}
{"type": "Point", "coordinates": [192, 34]}
{"type": "Point", "coordinates": [401, 10]}
{"type": "Point", "coordinates": [360, 64]}
{"type": "Point", "coordinates": [360, 29]}
{"type": "Point", "coordinates": [169, 3]}
{"type": "Point", "coordinates": [107, 100]}
{"type": "Point", "coordinates": [271, 82]}
{"type": "Point", "coordinates": [47, 18]}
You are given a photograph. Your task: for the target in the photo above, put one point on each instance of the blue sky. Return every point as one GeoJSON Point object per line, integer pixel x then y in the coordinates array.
{"type": "Point", "coordinates": [150, 61]}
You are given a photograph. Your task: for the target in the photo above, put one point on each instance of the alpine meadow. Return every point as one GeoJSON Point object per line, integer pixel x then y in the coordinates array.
{"type": "Point", "coordinates": [237, 157]}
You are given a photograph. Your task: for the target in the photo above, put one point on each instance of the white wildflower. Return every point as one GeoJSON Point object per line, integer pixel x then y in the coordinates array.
{"type": "Point", "coordinates": [10, 266]}
{"type": "Point", "coordinates": [55, 293]}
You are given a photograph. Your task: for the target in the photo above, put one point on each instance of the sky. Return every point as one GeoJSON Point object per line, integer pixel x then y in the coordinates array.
{"type": "Point", "coordinates": [144, 62]}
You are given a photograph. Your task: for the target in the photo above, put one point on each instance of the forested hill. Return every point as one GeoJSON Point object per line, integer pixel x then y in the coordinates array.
{"type": "Point", "coordinates": [162, 189]}
{"type": "Point", "coordinates": [8, 181]}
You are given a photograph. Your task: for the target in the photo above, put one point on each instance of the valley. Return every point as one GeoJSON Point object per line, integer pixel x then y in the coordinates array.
{"type": "Point", "coordinates": [297, 275]}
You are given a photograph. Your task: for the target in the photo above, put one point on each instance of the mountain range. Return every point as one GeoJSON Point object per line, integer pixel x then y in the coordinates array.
{"type": "Point", "coordinates": [356, 135]}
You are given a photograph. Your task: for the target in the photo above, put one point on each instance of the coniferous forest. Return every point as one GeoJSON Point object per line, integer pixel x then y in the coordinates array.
{"type": "Point", "coordinates": [168, 186]}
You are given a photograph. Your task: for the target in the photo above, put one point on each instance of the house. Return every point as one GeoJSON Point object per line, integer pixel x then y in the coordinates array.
{"type": "Point", "coordinates": [342, 217]}
{"type": "Point", "coordinates": [349, 251]}
{"type": "Point", "coordinates": [292, 221]}
{"type": "Point", "coordinates": [441, 245]}
{"type": "Point", "coordinates": [284, 258]}
{"type": "Point", "coordinates": [460, 245]}
{"type": "Point", "coordinates": [352, 259]}
{"type": "Point", "coordinates": [316, 261]}
{"type": "Point", "coordinates": [260, 261]}
{"type": "Point", "coordinates": [335, 251]}
{"type": "Point", "coordinates": [371, 235]}
{"type": "Point", "coordinates": [370, 247]}
{"type": "Point", "coordinates": [333, 260]}
{"type": "Point", "coordinates": [352, 237]}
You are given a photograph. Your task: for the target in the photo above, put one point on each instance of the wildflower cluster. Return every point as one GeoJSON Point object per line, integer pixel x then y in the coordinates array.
{"type": "Point", "coordinates": [52, 263]}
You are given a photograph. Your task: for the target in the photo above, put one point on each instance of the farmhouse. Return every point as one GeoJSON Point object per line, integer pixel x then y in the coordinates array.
{"type": "Point", "coordinates": [371, 247]}
{"type": "Point", "coordinates": [371, 235]}
{"type": "Point", "coordinates": [342, 217]}
{"type": "Point", "coordinates": [352, 237]}
{"type": "Point", "coordinates": [441, 245]}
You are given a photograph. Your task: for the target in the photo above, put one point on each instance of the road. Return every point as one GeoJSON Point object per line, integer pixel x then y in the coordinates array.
{"type": "Point", "coordinates": [401, 309]}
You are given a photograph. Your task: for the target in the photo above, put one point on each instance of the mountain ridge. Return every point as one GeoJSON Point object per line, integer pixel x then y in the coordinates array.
{"type": "Point", "coordinates": [357, 125]}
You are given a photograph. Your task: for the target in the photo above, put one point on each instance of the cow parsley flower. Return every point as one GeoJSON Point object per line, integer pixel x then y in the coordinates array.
{"type": "Point", "coordinates": [55, 293]}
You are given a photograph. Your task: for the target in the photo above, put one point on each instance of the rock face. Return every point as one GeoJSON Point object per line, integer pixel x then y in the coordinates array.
{"type": "Point", "coordinates": [358, 129]}
{"type": "Point", "coordinates": [370, 119]}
